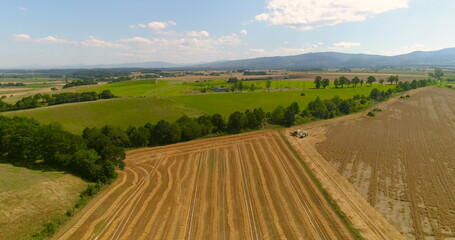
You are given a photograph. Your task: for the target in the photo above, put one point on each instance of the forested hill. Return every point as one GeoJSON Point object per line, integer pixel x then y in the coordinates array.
{"type": "Point", "coordinates": [442, 58]}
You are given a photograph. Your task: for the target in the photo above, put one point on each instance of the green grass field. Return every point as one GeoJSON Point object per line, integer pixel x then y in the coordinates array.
{"type": "Point", "coordinates": [31, 198]}
{"type": "Point", "coordinates": [130, 88]}
{"type": "Point", "coordinates": [127, 111]}
{"type": "Point", "coordinates": [227, 103]}
{"type": "Point", "coordinates": [121, 112]}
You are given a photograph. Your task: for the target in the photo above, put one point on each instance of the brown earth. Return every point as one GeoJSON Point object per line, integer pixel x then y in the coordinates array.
{"type": "Point", "coordinates": [247, 186]}
{"type": "Point", "coordinates": [402, 161]}
{"type": "Point", "coordinates": [366, 219]}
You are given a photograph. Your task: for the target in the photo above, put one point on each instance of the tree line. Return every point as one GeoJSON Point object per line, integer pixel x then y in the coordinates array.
{"type": "Point", "coordinates": [42, 100]}
{"type": "Point", "coordinates": [344, 81]}
{"type": "Point", "coordinates": [79, 83]}
{"type": "Point", "coordinates": [12, 84]}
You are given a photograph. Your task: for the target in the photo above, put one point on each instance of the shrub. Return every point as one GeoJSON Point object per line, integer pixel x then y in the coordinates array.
{"type": "Point", "coordinates": [371, 114]}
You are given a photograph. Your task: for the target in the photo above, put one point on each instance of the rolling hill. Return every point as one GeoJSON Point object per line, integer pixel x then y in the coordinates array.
{"type": "Point", "coordinates": [444, 58]}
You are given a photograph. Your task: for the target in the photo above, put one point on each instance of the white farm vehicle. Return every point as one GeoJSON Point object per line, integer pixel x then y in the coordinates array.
{"type": "Point", "coordinates": [299, 133]}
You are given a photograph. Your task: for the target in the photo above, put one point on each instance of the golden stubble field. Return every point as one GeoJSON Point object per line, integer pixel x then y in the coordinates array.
{"type": "Point", "coordinates": [402, 161]}
{"type": "Point", "coordinates": [247, 186]}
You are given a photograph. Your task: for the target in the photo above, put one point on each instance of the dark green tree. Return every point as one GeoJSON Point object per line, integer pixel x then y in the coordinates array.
{"type": "Point", "coordinates": [260, 115]}
{"type": "Point", "coordinates": [206, 124]}
{"type": "Point", "coordinates": [251, 120]}
{"type": "Point", "coordinates": [325, 82]}
{"type": "Point", "coordinates": [371, 80]}
{"type": "Point", "coordinates": [318, 81]}
{"type": "Point", "coordinates": [342, 81]}
{"type": "Point", "coordinates": [118, 137]}
{"type": "Point", "coordinates": [219, 123]}
{"type": "Point", "coordinates": [355, 81]}
{"type": "Point", "coordinates": [237, 122]}
{"type": "Point", "coordinates": [268, 85]}
{"type": "Point", "coordinates": [294, 107]}
{"type": "Point", "coordinates": [277, 116]}
{"type": "Point", "coordinates": [138, 137]}
{"type": "Point", "coordinates": [438, 73]}
{"type": "Point", "coordinates": [336, 82]}
{"type": "Point", "coordinates": [165, 133]}
{"type": "Point", "coordinates": [106, 94]}
{"type": "Point", "coordinates": [289, 117]}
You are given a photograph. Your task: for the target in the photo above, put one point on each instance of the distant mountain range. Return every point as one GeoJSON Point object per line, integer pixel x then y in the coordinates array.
{"type": "Point", "coordinates": [104, 66]}
{"type": "Point", "coordinates": [443, 58]}
{"type": "Point", "coordinates": [440, 58]}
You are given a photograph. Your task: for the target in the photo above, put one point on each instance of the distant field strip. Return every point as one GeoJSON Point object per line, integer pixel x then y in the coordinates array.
{"type": "Point", "coordinates": [248, 186]}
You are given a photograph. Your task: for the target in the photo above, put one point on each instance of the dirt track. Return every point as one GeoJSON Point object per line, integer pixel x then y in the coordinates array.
{"type": "Point", "coordinates": [248, 186]}
{"type": "Point", "coordinates": [402, 161]}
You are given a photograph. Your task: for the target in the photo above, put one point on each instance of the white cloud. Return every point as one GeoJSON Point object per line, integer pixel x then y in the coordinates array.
{"type": "Point", "coordinates": [309, 14]}
{"type": "Point", "coordinates": [157, 26]}
{"type": "Point", "coordinates": [95, 42]}
{"type": "Point", "coordinates": [91, 42]}
{"type": "Point", "coordinates": [137, 40]}
{"type": "Point", "coordinates": [198, 34]}
{"type": "Point", "coordinates": [23, 9]}
{"type": "Point", "coordinates": [49, 39]}
{"type": "Point", "coordinates": [176, 49]}
{"type": "Point", "coordinates": [21, 37]}
{"type": "Point", "coordinates": [346, 45]}
{"type": "Point", "coordinates": [243, 32]}
{"type": "Point", "coordinates": [228, 40]}
{"type": "Point", "coordinates": [283, 51]}
{"type": "Point", "coordinates": [407, 49]}
{"type": "Point", "coordinates": [185, 42]}
{"type": "Point", "coordinates": [257, 51]}
{"type": "Point", "coordinates": [138, 26]}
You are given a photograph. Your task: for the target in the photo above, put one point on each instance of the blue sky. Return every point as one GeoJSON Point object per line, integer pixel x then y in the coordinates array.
{"type": "Point", "coordinates": [56, 32]}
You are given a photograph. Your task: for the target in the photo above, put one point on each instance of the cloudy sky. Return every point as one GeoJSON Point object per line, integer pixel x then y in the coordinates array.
{"type": "Point", "coordinates": [57, 32]}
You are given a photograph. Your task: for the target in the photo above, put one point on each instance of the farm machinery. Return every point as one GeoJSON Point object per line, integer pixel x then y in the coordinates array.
{"type": "Point", "coordinates": [299, 133]}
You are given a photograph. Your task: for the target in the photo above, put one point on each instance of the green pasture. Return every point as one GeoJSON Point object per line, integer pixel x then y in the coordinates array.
{"type": "Point", "coordinates": [226, 103]}
{"type": "Point", "coordinates": [121, 112]}
{"type": "Point", "coordinates": [130, 88]}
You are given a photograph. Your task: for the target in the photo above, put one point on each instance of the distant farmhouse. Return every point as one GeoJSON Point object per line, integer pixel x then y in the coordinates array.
{"type": "Point", "coordinates": [219, 89]}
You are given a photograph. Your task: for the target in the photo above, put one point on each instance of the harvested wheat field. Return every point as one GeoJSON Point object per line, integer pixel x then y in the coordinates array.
{"type": "Point", "coordinates": [247, 186]}
{"type": "Point", "coordinates": [402, 161]}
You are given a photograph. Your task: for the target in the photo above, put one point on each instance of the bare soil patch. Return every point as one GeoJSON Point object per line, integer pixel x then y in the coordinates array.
{"type": "Point", "coordinates": [402, 161]}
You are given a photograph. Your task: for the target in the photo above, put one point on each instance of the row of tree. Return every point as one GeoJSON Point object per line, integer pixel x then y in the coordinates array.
{"type": "Point", "coordinates": [344, 81]}
{"type": "Point", "coordinates": [12, 84]}
{"type": "Point", "coordinates": [94, 157]}
{"type": "Point", "coordinates": [41, 100]}
{"type": "Point", "coordinates": [187, 128]}
{"type": "Point", "coordinates": [79, 83]}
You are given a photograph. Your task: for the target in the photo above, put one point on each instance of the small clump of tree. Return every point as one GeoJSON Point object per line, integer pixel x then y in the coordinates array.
{"type": "Point", "coordinates": [94, 156]}
{"type": "Point", "coordinates": [42, 100]}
